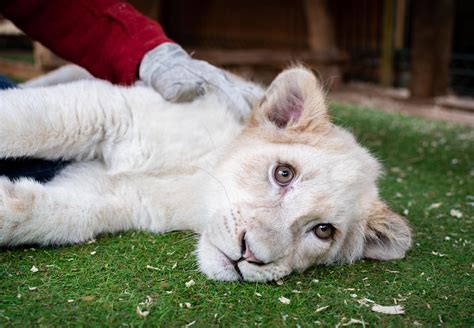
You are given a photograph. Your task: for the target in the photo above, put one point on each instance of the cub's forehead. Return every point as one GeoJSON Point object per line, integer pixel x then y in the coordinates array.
{"type": "Point", "coordinates": [334, 157]}
{"type": "Point", "coordinates": [324, 157]}
{"type": "Point", "coordinates": [331, 174]}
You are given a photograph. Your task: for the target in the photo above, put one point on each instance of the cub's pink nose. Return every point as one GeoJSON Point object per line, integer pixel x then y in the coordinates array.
{"type": "Point", "coordinates": [247, 253]}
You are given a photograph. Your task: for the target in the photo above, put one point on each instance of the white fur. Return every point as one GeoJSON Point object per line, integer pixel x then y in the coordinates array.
{"type": "Point", "coordinates": [143, 163]}
{"type": "Point", "coordinates": [63, 74]}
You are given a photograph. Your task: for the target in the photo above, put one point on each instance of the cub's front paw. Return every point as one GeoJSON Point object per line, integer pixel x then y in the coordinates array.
{"type": "Point", "coordinates": [16, 203]}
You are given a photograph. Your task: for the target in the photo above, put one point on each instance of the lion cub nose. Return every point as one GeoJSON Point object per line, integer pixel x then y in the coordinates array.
{"type": "Point", "coordinates": [247, 253]}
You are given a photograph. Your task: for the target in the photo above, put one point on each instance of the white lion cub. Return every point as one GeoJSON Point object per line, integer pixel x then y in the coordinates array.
{"type": "Point", "coordinates": [281, 192]}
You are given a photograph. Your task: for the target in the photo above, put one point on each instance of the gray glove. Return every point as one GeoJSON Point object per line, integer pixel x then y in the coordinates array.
{"type": "Point", "coordinates": [179, 78]}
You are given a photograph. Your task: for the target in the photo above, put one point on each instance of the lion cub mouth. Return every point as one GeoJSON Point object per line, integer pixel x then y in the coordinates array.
{"type": "Point", "coordinates": [246, 255]}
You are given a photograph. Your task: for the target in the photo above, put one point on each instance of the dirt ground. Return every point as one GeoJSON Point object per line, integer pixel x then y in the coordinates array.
{"type": "Point", "coordinates": [450, 108]}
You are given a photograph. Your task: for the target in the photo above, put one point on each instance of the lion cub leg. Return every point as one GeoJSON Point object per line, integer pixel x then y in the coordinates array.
{"type": "Point", "coordinates": [67, 210]}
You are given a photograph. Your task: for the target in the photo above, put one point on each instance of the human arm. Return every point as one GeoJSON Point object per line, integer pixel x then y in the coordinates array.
{"type": "Point", "coordinates": [107, 37]}
{"type": "Point", "coordinates": [113, 41]}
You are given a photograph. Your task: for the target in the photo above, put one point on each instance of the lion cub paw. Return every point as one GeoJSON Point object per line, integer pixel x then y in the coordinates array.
{"type": "Point", "coordinates": [16, 204]}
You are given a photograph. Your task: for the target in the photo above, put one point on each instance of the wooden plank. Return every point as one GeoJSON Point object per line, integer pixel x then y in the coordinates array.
{"type": "Point", "coordinates": [455, 102]}
{"type": "Point", "coordinates": [386, 60]}
{"type": "Point", "coordinates": [150, 8]}
{"type": "Point", "coordinates": [400, 23]}
{"type": "Point", "coordinates": [431, 49]}
{"type": "Point", "coordinates": [263, 57]}
{"type": "Point", "coordinates": [45, 59]}
{"type": "Point", "coordinates": [321, 34]}
{"type": "Point", "coordinates": [243, 24]}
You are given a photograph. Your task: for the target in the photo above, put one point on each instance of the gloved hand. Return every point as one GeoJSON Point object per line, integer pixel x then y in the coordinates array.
{"type": "Point", "coordinates": [179, 78]}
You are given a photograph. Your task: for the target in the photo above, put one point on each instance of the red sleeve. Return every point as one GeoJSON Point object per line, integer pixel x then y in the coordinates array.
{"type": "Point", "coordinates": [107, 37]}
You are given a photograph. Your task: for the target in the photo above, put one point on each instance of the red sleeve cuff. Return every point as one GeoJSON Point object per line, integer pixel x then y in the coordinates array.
{"type": "Point", "coordinates": [143, 35]}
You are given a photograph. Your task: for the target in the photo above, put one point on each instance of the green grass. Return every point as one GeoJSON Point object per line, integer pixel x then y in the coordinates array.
{"type": "Point", "coordinates": [426, 163]}
{"type": "Point", "coordinates": [19, 56]}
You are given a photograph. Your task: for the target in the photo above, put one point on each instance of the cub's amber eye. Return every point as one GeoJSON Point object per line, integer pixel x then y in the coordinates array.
{"type": "Point", "coordinates": [324, 231]}
{"type": "Point", "coordinates": [283, 174]}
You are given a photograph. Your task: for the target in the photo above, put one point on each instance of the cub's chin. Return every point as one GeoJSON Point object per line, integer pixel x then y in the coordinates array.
{"type": "Point", "coordinates": [214, 264]}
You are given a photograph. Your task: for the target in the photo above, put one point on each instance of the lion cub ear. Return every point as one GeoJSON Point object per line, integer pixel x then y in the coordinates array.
{"type": "Point", "coordinates": [294, 101]}
{"type": "Point", "coordinates": [387, 235]}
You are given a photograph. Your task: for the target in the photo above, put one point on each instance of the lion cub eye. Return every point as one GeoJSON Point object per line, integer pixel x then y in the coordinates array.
{"type": "Point", "coordinates": [284, 174]}
{"type": "Point", "coordinates": [324, 231]}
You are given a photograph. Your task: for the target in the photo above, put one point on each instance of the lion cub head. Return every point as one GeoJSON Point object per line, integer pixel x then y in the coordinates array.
{"type": "Point", "coordinates": [294, 191]}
